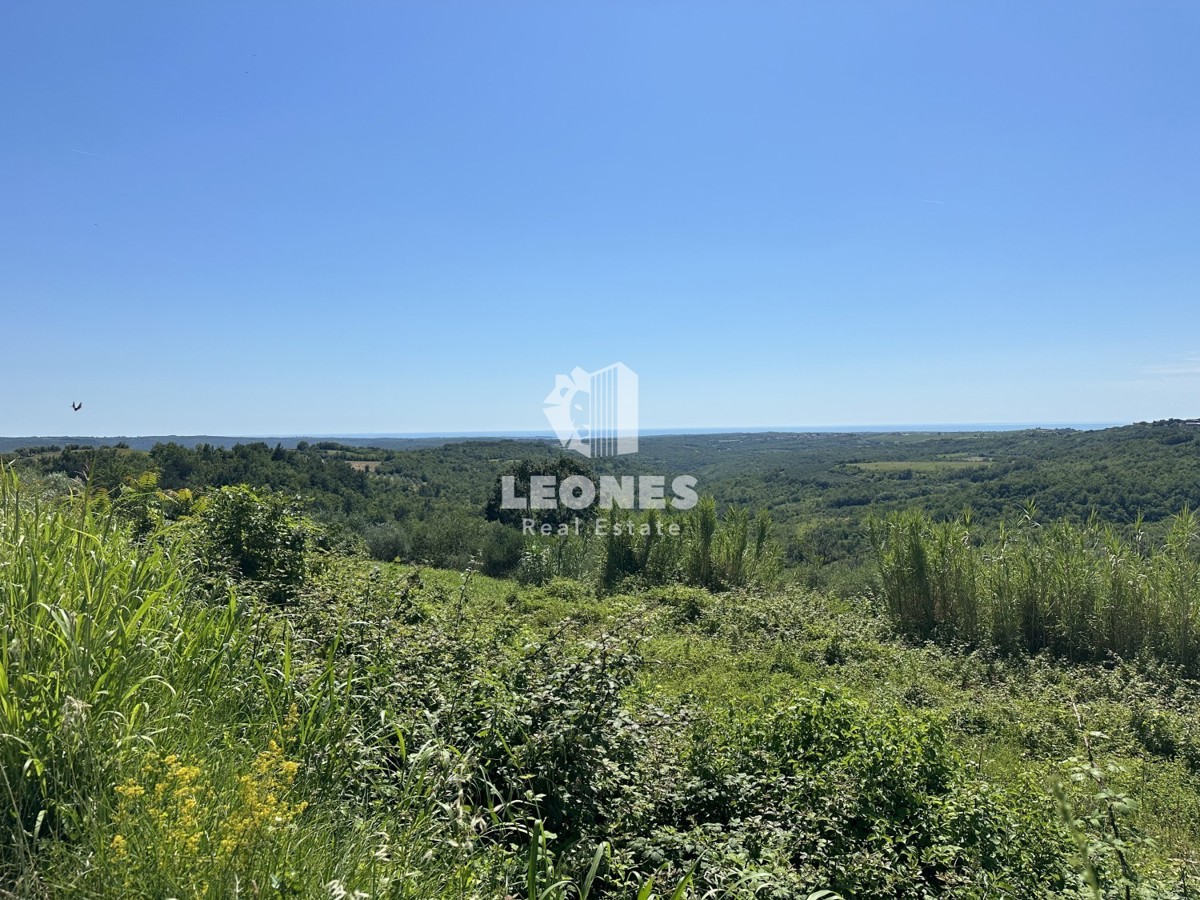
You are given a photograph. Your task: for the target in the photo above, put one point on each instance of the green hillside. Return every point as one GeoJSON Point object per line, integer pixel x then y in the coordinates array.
{"type": "Point", "coordinates": [212, 690]}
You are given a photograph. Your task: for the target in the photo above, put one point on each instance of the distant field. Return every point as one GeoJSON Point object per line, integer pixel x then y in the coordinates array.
{"type": "Point", "coordinates": [924, 466]}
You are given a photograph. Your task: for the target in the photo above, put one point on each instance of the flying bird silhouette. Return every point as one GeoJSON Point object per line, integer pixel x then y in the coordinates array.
{"type": "Point", "coordinates": [76, 406]}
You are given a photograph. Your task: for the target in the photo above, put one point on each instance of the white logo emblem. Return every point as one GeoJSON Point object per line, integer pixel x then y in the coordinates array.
{"type": "Point", "coordinates": [596, 413]}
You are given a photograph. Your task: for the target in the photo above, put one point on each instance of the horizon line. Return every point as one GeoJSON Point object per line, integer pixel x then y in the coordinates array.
{"type": "Point", "coordinates": [645, 432]}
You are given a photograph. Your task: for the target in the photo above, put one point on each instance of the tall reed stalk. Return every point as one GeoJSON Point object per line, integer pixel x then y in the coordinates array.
{"type": "Point", "coordinates": [1080, 591]}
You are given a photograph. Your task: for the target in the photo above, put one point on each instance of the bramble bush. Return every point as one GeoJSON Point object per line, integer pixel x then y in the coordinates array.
{"type": "Point", "coordinates": [258, 539]}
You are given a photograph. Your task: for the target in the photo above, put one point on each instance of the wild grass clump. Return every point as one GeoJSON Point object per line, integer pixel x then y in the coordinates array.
{"type": "Point", "coordinates": [145, 740]}
{"type": "Point", "coordinates": [102, 658]}
{"type": "Point", "coordinates": [141, 726]}
{"type": "Point", "coordinates": [1082, 592]}
{"type": "Point", "coordinates": [623, 551]}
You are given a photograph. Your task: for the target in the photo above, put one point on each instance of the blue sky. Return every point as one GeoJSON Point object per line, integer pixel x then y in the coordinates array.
{"type": "Point", "coordinates": [282, 218]}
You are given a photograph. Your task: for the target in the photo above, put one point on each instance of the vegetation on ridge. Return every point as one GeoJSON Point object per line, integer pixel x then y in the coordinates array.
{"type": "Point", "coordinates": [208, 693]}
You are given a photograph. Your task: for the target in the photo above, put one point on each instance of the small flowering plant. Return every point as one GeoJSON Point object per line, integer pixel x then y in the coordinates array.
{"type": "Point", "coordinates": [184, 825]}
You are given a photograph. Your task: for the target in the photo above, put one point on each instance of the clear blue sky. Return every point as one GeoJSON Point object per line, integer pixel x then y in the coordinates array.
{"type": "Point", "coordinates": [281, 218]}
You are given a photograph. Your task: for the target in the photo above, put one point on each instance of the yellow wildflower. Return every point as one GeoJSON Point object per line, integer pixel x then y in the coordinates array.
{"type": "Point", "coordinates": [130, 790]}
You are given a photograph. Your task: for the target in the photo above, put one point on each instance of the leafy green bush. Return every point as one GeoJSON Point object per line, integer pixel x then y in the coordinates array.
{"type": "Point", "coordinates": [257, 538]}
{"type": "Point", "coordinates": [502, 550]}
{"type": "Point", "coordinates": [388, 542]}
{"type": "Point", "coordinates": [828, 792]}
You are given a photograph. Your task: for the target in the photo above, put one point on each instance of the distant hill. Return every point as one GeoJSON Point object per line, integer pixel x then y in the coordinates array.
{"type": "Point", "coordinates": [147, 442]}
{"type": "Point", "coordinates": [424, 498]}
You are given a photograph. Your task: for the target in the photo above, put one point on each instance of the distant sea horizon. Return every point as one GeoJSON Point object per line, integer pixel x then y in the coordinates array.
{"type": "Point", "coordinates": [644, 432]}
{"type": "Point", "coordinates": [752, 429]}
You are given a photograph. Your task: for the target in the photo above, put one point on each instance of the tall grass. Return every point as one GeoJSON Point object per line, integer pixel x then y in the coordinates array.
{"type": "Point", "coordinates": [697, 547]}
{"type": "Point", "coordinates": [108, 662]}
{"type": "Point", "coordinates": [1082, 592]}
{"type": "Point", "coordinates": [152, 742]}
{"type": "Point", "coordinates": [100, 656]}
{"type": "Point", "coordinates": [157, 743]}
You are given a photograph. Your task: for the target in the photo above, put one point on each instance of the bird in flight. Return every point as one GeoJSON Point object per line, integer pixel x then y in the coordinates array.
{"type": "Point", "coordinates": [77, 406]}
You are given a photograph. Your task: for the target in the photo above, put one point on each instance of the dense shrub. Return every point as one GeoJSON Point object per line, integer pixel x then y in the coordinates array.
{"type": "Point", "coordinates": [258, 538]}
{"type": "Point", "coordinates": [388, 542]}
{"type": "Point", "coordinates": [830, 793]}
{"type": "Point", "coordinates": [502, 550]}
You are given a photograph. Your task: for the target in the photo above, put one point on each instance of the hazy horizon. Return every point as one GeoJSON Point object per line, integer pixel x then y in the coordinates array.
{"type": "Point", "coordinates": [536, 434]}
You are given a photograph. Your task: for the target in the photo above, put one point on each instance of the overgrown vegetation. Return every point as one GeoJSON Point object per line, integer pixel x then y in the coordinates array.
{"type": "Point", "coordinates": [206, 693]}
{"type": "Point", "coordinates": [624, 551]}
{"type": "Point", "coordinates": [424, 501]}
{"type": "Point", "coordinates": [1080, 592]}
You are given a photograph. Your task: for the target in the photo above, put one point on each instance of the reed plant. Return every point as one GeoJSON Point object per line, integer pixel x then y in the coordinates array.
{"type": "Point", "coordinates": [1080, 591]}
